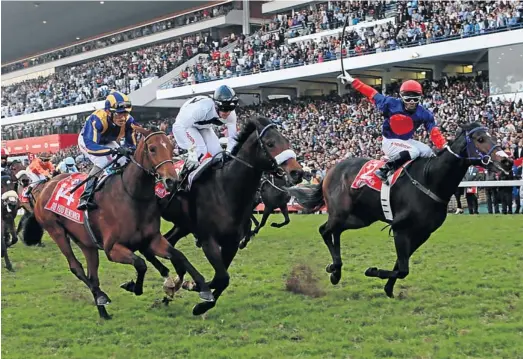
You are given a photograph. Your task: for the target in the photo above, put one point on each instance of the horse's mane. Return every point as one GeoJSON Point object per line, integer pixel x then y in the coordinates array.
{"type": "Point", "coordinates": [250, 126]}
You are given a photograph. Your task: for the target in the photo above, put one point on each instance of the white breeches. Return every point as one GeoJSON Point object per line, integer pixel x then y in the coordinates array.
{"type": "Point", "coordinates": [392, 148]}
{"type": "Point", "coordinates": [203, 140]}
{"type": "Point", "coordinates": [35, 178]}
{"type": "Point", "coordinates": [100, 161]}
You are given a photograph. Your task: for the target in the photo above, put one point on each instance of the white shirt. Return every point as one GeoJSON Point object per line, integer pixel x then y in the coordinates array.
{"type": "Point", "coordinates": [200, 112]}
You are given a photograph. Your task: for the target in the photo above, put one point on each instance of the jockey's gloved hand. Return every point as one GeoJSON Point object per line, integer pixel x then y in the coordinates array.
{"type": "Point", "coordinates": [122, 151]}
{"type": "Point", "coordinates": [192, 159]}
{"type": "Point", "coordinates": [346, 78]}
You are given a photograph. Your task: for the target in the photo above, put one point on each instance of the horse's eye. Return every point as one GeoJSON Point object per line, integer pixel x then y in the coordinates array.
{"type": "Point", "coordinates": [152, 149]}
{"type": "Point", "coordinates": [270, 144]}
{"type": "Point", "coordinates": [481, 140]}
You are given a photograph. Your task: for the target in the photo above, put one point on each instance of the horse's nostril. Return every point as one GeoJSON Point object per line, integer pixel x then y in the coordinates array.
{"type": "Point", "coordinates": [169, 183]}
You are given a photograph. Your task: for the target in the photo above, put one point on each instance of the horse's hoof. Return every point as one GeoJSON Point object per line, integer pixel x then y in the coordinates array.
{"type": "Point", "coordinates": [128, 286]}
{"type": "Point", "coordinates": [275, 225]}
{"type": "Point", "coordinates": [371, 272]}
{"type": "Point", "coordinates": [329, 268]}
{"type": "Point", "coordinates": [166, 301]}
{"type": "Point", "coordinates": [106, 316]}
{"type": "Point", "coordinates": [335, 277]}
{"type": "Point", "coordinates": [202, 308]}
{"type": "Point", "coordinates": [207, 296]}
{"type": "Point", "coordinates": [103, 300]}
{"type": "Point", "coordinates": [40, 245]}
{"type": "Point", "coordinates": [188, 285]}
{"type": "Point", "coordinates": [9, 268]}
{"type": "Point", "coordinates": [389, 292]}
{"type": "Point", "coordinates": [138, 291]}
{"type": "Point", "coordinates": [242, 244]}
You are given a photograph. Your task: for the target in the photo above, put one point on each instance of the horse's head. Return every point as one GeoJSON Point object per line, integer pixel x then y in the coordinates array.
{"type": "Point", "coordinates": [10, 201]}
{"type": "Point", "coordinates": [474, 144]}
{"type": "Point", "coordinates": [154, 154]}
{"type": "Point", "coordinates": [263, 147]}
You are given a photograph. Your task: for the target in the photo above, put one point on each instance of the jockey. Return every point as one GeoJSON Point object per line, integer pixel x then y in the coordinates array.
{"type": "Point", "coordinates": [99, 138]}
{"type": "Point", "coordinates": [67, 166]}
{"type": "Point", "coordinates": [402, 118]}
{"type": "Point", "coordinates": [193, 128]}
{"type": "Point", "coordinates": [39, 170]}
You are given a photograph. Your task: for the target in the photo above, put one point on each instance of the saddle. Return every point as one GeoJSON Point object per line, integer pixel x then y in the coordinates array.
{"type": "Point", "coordinates": [189, 177]}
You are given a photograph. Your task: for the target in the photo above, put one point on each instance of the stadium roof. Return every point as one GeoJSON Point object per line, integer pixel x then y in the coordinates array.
{"type": "Point", "coordinates": [24, 32]}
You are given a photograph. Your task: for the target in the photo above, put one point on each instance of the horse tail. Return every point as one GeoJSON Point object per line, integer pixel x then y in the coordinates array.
{"type": "Point", "coordinates": [33, 232]}
{"type": "Point", "coordinates": [309, 196]}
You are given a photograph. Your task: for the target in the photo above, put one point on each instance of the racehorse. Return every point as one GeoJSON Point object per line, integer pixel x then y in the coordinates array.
{"type": "Point", "coordinates": [272, 195]}
{"type": "Point", "coordinates": [419, 198]}
{"type": "Point", "coordinates": [218, 207]}
{"type": "Point", "coordinates": [127, 219]}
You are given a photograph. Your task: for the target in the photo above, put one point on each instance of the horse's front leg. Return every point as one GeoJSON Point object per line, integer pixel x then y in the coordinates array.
{"type": "Point", "coordinates": [170, 285]}
{"type": "Point", "coordinates": [220, 259]}
{"type": "Point", "coordinates": [406, 244]}
{"type": "Point", "coordinates": [8, 264]}
{"type": "Point", "coordinates": [121, 254]}
{"type": "Point", "coordinates": [285, 213]}
{"type": "Point", "coordinates": [160, 247]}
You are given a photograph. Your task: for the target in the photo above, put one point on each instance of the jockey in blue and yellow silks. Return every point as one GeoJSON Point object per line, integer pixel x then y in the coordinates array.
{"type": "Point", "coordinates": [100, 137]}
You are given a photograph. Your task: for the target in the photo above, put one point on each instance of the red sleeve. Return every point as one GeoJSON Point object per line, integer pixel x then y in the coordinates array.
{"type": "Point", "coordinates": [365, 90]}
{"type": "Point", "coordinates": [437, 138]}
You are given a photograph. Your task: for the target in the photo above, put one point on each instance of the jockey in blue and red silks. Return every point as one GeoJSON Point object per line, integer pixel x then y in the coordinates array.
{"type": "Point", "coordinates": [402, 118]}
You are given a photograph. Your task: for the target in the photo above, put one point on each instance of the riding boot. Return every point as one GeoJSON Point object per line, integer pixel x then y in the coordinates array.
{"type": "Point", "coordinates": [391, 166]}
{"type": "Point", "coordinates": [86, 200]}
{"type": "Point", "coordinates": [383, 172]}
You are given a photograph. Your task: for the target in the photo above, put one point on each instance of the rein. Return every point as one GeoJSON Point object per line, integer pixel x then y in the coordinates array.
{"type": "Point", "coordinates": [275, 161]}
{"type": "Point", "coordinates": [151, 172]}
{"type": "Point", "coordinates": [484, 158]}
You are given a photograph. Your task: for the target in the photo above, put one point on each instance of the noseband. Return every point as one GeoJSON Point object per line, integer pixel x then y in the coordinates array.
{"type": "Point", "coordinates": [275, 161]}
{"type": "Point", "coordinates": [485, 158]}
{"type": "Point", "coordinates": [154, 171]}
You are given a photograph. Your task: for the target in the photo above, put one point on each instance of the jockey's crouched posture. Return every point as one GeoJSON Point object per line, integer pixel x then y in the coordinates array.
{"type": "Point", "coordinates": [39, 170]}
{"type": "Point", "coordinates": [99, 139]}
{"type": "Point", "coordinates": [402, 118]}
{"type": "Point", "coordinates": [193, 128]}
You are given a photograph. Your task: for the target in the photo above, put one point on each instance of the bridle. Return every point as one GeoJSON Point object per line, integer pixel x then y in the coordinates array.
{"type": "Point", "coordinates": [153, 172]}
{"type": "Point", "coordinates": [472, 151]}
{"type": "Point", "coordinates": [275, 161]}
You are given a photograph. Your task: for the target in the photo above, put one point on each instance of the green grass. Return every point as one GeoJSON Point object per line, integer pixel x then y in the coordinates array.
{"type": "Point", "coordinates": [461, 300]}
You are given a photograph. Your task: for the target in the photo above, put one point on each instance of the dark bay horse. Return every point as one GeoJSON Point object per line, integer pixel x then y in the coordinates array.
{"type": "Point", "coordinates": [419, 203]}
{"type": "Point", "coordinates": [273, 195]}
{"type": "Point", "coordinates": [218, 207]}
{"type": "Point", "coordinates": [127, 219]}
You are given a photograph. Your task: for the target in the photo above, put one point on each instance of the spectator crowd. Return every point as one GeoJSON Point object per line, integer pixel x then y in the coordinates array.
{"type": "Point", "coordinates": [113, 39]}
{"type": "Point", "coordinates": [416, 23]}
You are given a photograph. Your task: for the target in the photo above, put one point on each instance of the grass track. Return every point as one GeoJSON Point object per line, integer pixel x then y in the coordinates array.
{"type": "Point", "coordinates": [461, 300]}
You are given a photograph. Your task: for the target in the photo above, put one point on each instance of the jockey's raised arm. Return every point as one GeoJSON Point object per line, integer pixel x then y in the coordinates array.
{"type": "Point", "coordinates": [402, 117]}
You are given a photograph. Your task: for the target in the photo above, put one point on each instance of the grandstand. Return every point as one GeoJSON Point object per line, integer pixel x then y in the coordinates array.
{"type": "Point", "coordinates": [282, 58]}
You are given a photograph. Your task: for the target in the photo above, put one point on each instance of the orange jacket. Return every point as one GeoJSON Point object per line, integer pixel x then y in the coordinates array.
{"type": "Point", "coordinates": [40, 167]}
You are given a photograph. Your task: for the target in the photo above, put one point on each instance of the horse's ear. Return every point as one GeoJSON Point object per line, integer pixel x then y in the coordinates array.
{"type": "Point", "coordinates": [141, 130]}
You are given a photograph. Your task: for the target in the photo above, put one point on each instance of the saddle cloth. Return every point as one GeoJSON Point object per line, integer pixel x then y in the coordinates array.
{"type": "Point", "coordinates": [64, 203]}
{"type": "Point", "coordinates": [366, 176]}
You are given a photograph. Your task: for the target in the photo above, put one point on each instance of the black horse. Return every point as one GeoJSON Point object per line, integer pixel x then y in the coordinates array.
{"type": "Point", "coordinates": [273, 195]}
{"type": "Point", "coordinates": [419, 198]}
{"type": "Point", "coordinates": [218, 207]}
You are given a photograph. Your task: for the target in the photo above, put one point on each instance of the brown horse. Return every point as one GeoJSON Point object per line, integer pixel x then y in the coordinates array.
{"type": "Point", "coordinates": [127, 219]}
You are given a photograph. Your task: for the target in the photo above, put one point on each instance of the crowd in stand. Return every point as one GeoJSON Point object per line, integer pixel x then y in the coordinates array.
{"type": "Point", "coordinates": [416, 23]}
{"type": "Point", "coordinates": [114, 39]}
{"type": "Point", "coordinates": [92, 81]}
